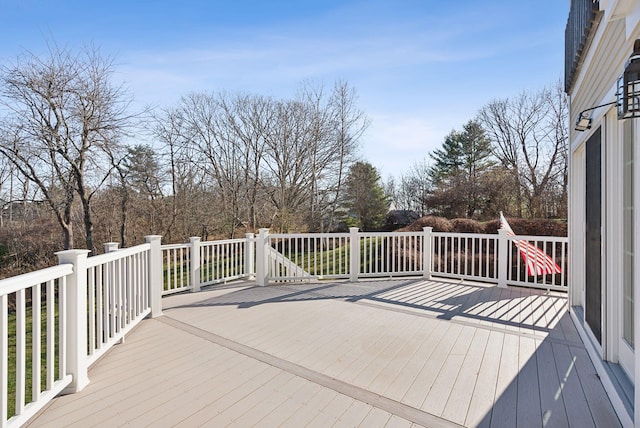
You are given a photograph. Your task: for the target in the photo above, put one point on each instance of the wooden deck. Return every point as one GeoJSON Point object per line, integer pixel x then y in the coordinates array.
{"type": "Point", "coordinates": [373, 354]}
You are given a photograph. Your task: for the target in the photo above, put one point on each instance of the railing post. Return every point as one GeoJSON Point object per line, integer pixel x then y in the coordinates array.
{"type": "Point", "coordinates": [76, 290]}
{"type": "Point", "coordinates": [503, 257]}
{"type": "Point", "coordinates": [195, 263]}
{"type": "Point", "coordinates": [427, 252]}
{"type": "Point", "coordinates": [249, 255]}
{"type": "Point", "coordinates": [156, 282]}
{"type": "Point", "coordinates": [354, 262]}
{"type": "Point", "coordinates": [262, 257]}
{"type": "Point", "coordinates": [110, 246]}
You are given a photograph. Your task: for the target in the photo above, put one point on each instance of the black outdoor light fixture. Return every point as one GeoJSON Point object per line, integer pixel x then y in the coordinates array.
{"type": "Point", "coordinates": [584, 121]}
{"type": "Point", "coordinates": [630, 101]}
{"type": "Point", "coordinates": [627, 97]}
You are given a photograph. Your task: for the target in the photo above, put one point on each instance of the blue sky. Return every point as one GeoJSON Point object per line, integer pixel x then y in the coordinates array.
{"type": "Point", "coordinates": [421, 68]}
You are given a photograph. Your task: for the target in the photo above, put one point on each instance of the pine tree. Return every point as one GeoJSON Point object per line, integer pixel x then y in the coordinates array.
{"type": "Point", "coordinates": [365, 201]}
{"type": "Point", "coordinates": [459, 172]}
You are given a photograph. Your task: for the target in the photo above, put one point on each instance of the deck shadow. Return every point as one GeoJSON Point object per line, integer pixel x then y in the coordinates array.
{"type": "Point", "coordinates": [547, 383]}
{"type": "Point", "coordinates": [514, 307]}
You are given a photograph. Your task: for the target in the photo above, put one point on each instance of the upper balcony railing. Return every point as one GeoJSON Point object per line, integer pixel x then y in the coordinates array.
{"type": "Point", "coordinates": [584, 16]}
{"type": "Point", "coordinates": [56, 322]}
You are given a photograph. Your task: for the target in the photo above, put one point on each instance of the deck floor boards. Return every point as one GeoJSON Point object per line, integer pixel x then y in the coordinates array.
{"type": "Point", "coordinates": [398, 353]}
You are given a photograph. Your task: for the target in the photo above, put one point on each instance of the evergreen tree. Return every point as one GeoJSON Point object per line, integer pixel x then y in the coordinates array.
{"type": "Point", "coordinates": [365, 201]}
{"type": "Point", "coordinates": [448, 160]}
{"type": "Point", "coordinates": [459, 172]}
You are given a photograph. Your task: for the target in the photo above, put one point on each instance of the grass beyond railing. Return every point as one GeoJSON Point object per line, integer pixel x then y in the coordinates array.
{"type": "Point", "coordinates": [305, 256]}
{"type": "Point", "coordinates": [55, 322]}
{"type": "Point", "coordinates": [33, 338]}
{"type": "Point", "coordinates": [391, 254]}
{"type": "Point", "coordinates": [454, 255]}
{"type": "Point", "coordinates": [11, 361]}
{"type": "Point", "coordinates": [322, 256]}
{"type": "Point", "coordinates": [218, 261]}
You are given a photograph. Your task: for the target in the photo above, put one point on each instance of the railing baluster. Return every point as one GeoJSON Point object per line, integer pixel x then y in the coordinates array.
{"type": "Point", "coordinates": [122, 298]}
{"type": "Point", "coordinates": [51, 339]}
{"type": "Point", "coordinates": [394, 255]}
{"type": "Point", "coordinates": [91, 290]}
{"type": "Point", "coordinates": [175, 266]}
{"type": "Point", "coordinates": [130, 288]}
{"type": "Point", "coordinates": [62, 326]}
{"type": "Point", "coordinates": [135, 262]}
{"type": "Point", "coordinates": [4, 359]}
{"type": "Point", "coordinates": [315, 254]}
{"type": "Point", "coordinates": [404, 254]}
{"type": "Point", "coordinates": [96, 274]}
{"type": "Point", "coordinates": [448, 267]}
{"type": "Point", "coordinates": [112, 284]}
{"type": "Point", "coordinates": [36, 341]}
{"type": "Point", "coordinates": [219, 263]}
{"type": "Point", "coordinates": [518, 263]}
{"type": "Point", "coordinates": [21, 349]}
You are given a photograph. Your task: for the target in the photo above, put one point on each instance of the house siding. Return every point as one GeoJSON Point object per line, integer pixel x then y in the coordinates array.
{"type": "Point", "coordinates": [595, 84]}
{"type": "Point", "coordinates": [598, 77]}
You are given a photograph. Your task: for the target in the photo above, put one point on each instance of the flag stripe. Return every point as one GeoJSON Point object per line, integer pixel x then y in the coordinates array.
{"type": "Point", "coordinates": [538, 262]}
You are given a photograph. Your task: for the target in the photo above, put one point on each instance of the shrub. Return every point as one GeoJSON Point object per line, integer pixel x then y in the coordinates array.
{"type": "Point", "coordinates": [439, 224]}
{"type": "Point", "coordinates": [467, 225]}
{"type": "Point", "coordinates": [28, 247]}
{"type": "Point", "coordinates": [533, 227]}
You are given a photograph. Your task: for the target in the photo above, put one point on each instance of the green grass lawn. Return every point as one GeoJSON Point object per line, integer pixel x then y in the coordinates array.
{"type": "Point", "coordinates": [11, 380]}
{"type": "Point", "coordinates": [178, 274]}
{"type": "Point", "coordinates": [336, 261]}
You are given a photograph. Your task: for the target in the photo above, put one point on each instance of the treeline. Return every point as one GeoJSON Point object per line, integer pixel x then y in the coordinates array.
{"type": "Point", "coordinates": [219, 163]}
{"type": "Point", "coordinates": [79, 167]}
{"type": "Point", "coordinates": [512, 157]}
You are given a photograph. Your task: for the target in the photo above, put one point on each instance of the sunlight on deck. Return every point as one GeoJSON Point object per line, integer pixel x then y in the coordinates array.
{"type": "Point", "coordinates": [373, 353]}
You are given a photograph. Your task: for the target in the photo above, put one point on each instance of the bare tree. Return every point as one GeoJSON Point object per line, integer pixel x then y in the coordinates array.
{"type": "Point", "coordinates": [529, 138]}
{"type": "Point", "coordinates": [288, 174]}
{"type": "Point", "coordinates": [414, 188]}
{"type": "Point", "coordinates": [349, 124]}
{"type": "Point", "coordinates": [60, 112]}
{"type": "Point", "coordinates": [246, 117]}
{"type": "Point", "coordinates": [278, 163]}
{"type": "Point", "coordinates": [216, 153]}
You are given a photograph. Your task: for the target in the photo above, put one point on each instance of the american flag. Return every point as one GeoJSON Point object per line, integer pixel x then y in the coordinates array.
{"type": "Point", "coordinates": [537, 261]}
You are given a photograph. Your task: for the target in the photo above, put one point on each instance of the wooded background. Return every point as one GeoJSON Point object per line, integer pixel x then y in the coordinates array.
{"type": "Point", "coordinates": [79, 167]}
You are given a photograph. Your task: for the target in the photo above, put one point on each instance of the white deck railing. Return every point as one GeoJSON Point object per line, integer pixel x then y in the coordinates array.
{"type": "Point", "coordinates": [56, 322]}
{"type": "Point", "coordinates": [557, 248]}
{"type": "Point", "coordinates": [465, 255]}
{"type": "Point", "coordinates": [45, 359]}
{"type": "Point", "coordinates": [187, 267]}
{"type": "Point", "coordinates": [117, 296]}
{"type": "Point", "coordinates": [391, 254]}
{"type": "Point", "coordinates": [353, 255]}
{"type": "Point", "coordinates": [304, 256]}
